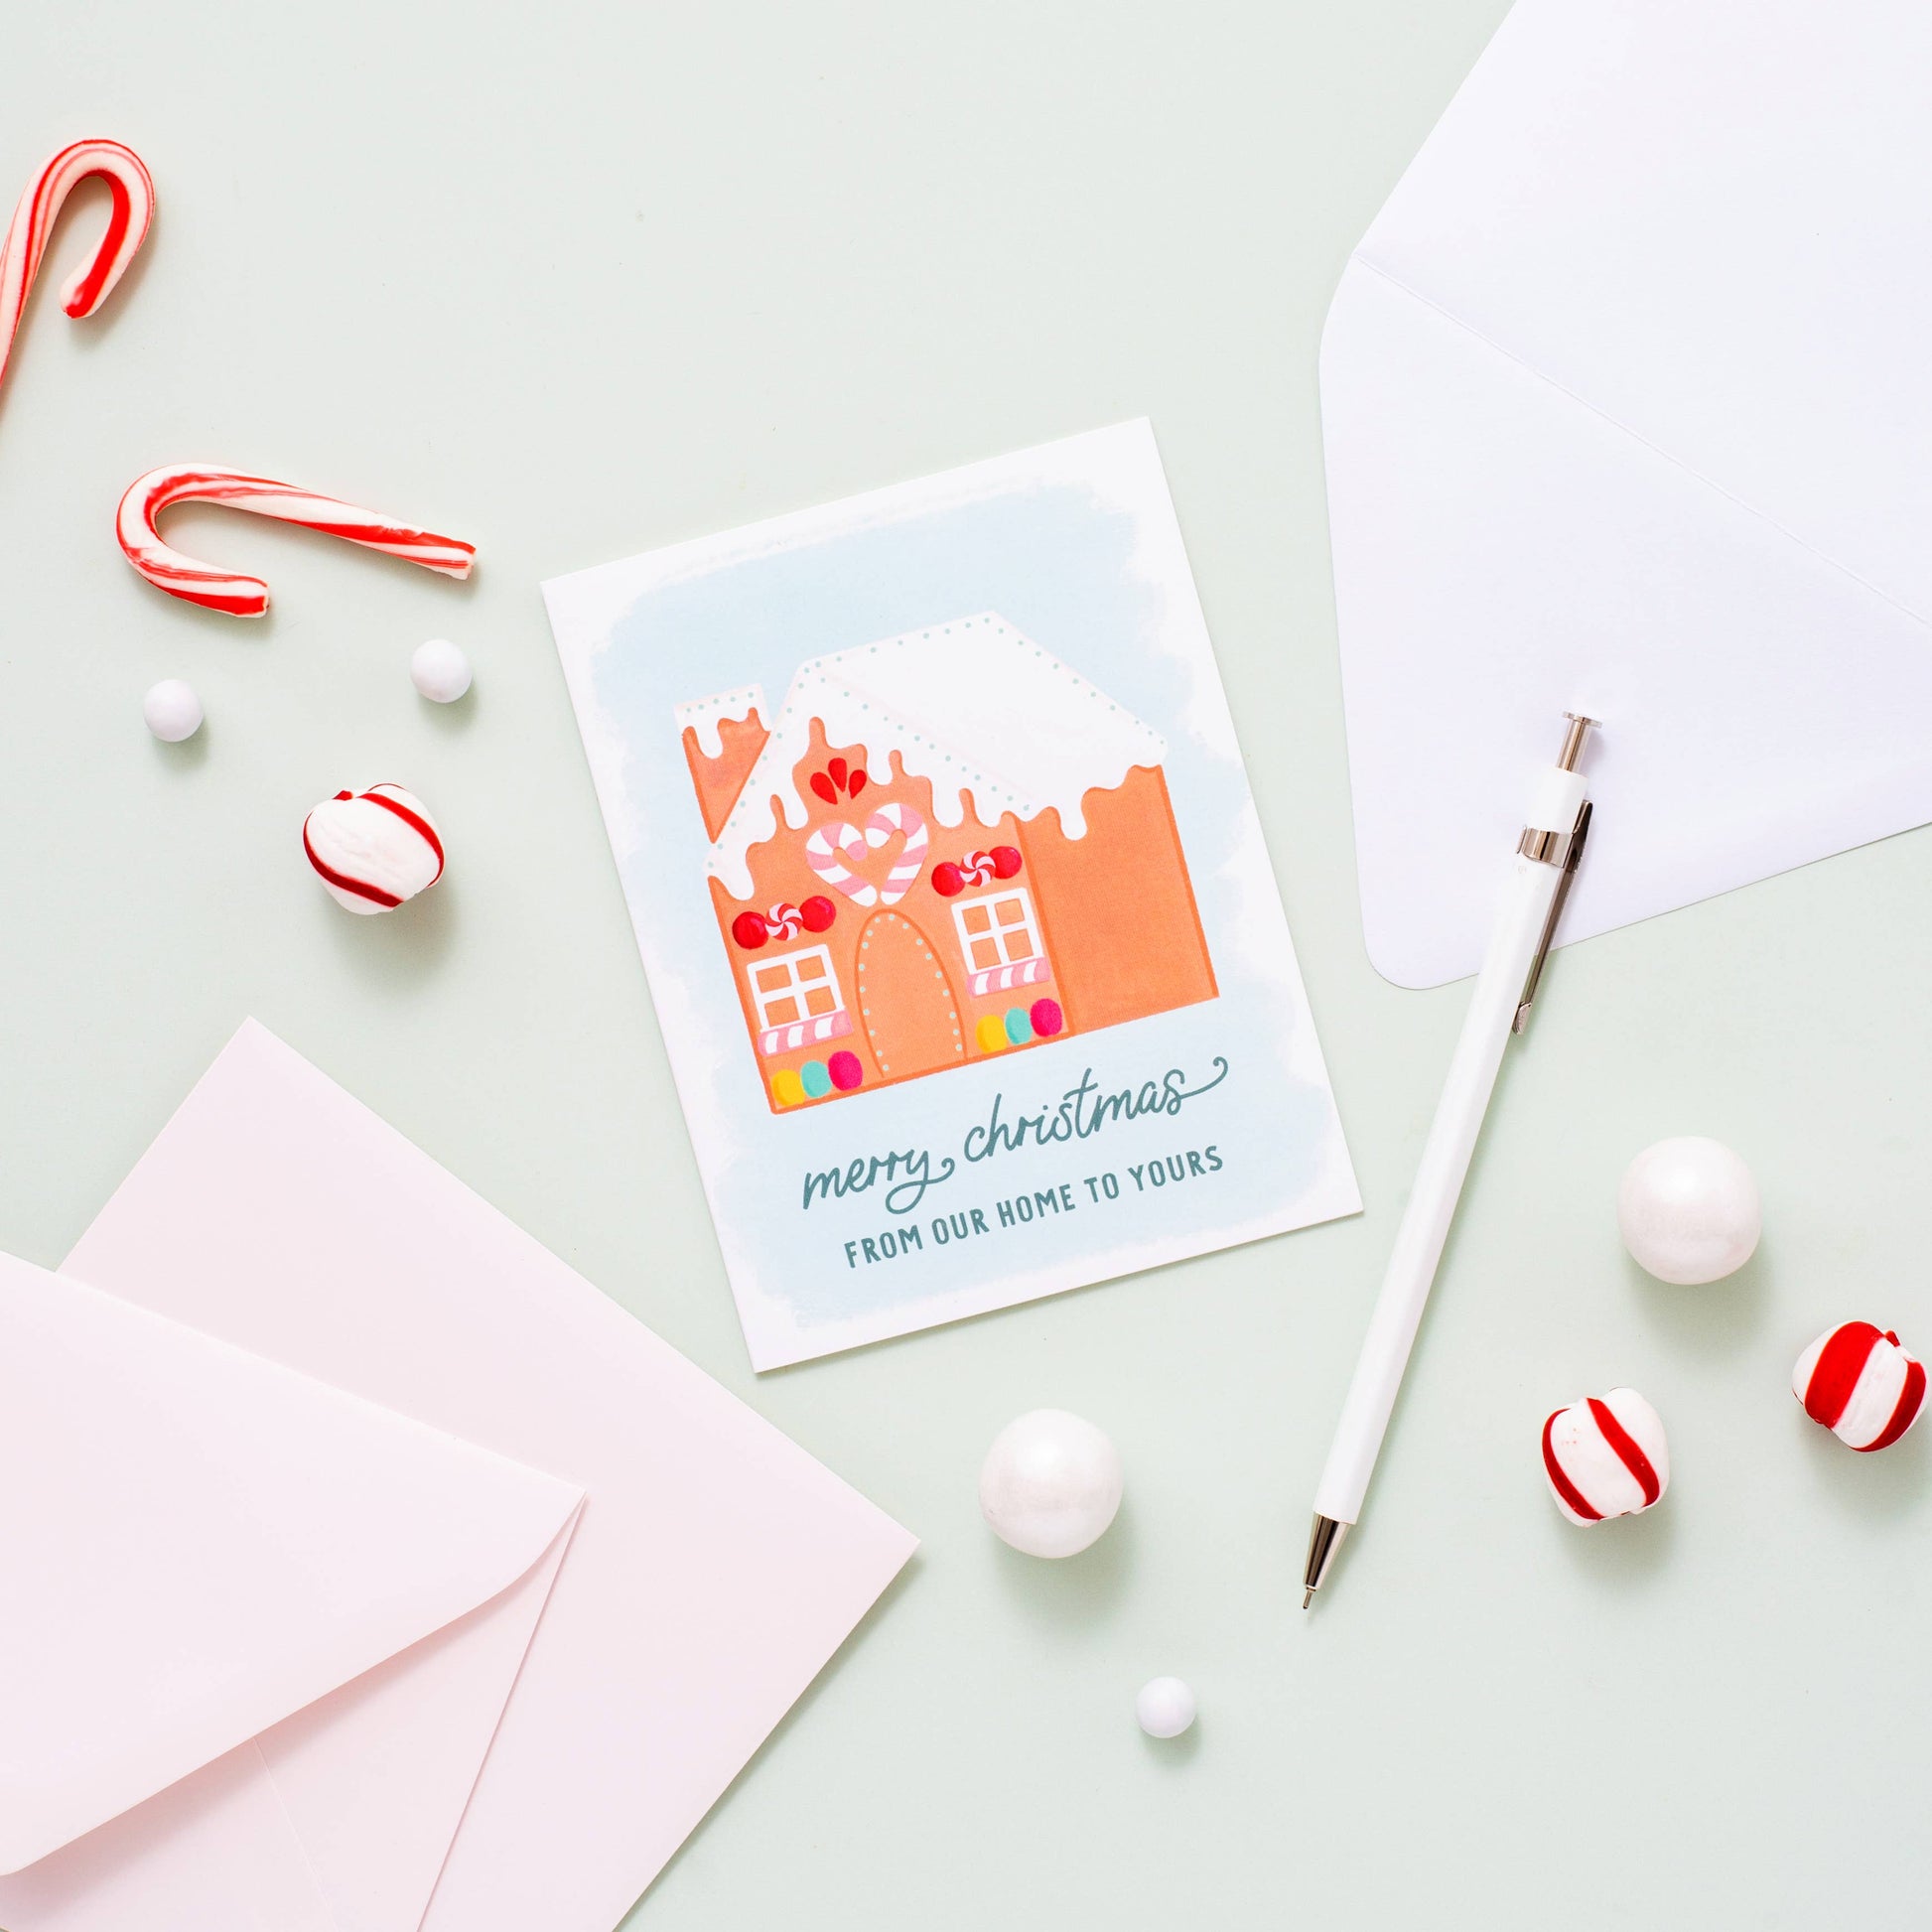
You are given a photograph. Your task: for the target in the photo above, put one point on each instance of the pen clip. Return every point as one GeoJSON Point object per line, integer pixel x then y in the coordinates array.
{"type": "Point", "coordinates": [1571, 858]}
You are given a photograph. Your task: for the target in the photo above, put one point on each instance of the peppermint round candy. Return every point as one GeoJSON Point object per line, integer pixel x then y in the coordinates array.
{"type": "Point", "coordinates": [373, 849]}
{"type": "Point", "coordinates": [1861, 1385]}
{"type": "Point", "coordinates": [1605, 1455]}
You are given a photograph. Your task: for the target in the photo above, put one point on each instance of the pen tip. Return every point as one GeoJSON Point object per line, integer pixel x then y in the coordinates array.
{"type": "Point", "coordinates": [1308, 1597]}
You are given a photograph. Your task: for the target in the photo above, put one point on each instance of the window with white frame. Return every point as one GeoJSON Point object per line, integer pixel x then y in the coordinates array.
{"type": "Point", "coordinates": [794, 988]}
{"type": "Point", "coordinates": [1000, 938]}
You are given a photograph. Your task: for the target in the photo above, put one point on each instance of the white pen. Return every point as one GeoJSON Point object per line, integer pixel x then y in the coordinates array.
{"type": "Point", "coordinates": [1545, 864]}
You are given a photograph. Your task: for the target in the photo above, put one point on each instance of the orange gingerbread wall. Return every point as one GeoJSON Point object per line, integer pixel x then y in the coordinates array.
{"type": "Point", "coordinates": [1115, 909]}
{"type": "Point", "coordinates": [1123, 931]}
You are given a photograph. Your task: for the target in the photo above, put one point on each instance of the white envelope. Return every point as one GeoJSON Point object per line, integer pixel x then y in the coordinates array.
{"type": "Point", "coordinates": [198, 1544]}
{"type": "Point", "coordinates": [501, 1774]}
{"type": "Point", "coordinates": [1627, 409]}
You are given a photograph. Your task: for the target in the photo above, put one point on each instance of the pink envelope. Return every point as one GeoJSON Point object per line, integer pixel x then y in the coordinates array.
{"type": "Point", "coordinates": [199, 1542]}
{"type": "Point", "coordinates": [713, 1571]}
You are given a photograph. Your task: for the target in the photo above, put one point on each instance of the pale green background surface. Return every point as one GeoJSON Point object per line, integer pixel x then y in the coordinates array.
{"type": "Point", "coordinates": [575, 281]}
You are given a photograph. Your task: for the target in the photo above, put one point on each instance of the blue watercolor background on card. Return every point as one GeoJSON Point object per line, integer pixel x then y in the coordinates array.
{"type": "Point", "coordinates": [1059, 563]}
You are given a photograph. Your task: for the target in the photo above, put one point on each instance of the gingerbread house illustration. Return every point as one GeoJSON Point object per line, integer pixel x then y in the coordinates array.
{"type": "Point", "coordinates": [945, 845]}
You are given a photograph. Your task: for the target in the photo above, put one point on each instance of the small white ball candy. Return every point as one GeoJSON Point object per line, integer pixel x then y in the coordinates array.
{"type": "Point", "coordinates": [171, 710]}
{"type": "Point", "coordinates": [439, 670]}
{"type": "Point", "coordinates": [1688, 1210]}
{"type": "Point", "coordinates": [1050, 1483]}
{"type": "Point", "coordinates": [1164, 1706]}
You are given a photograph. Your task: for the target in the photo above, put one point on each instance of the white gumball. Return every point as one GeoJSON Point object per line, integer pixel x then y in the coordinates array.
{"type": "Point", "coordinates": [439, 670]}
{"type": "Point", "coordinates": [171, 710]}
{"type": "Point", "coordinates": [1164, 1706]}
{"type": "Point", "coordinates": [1688, 1210]}
{"type": "Point", "coordinates": [1050, 1483]}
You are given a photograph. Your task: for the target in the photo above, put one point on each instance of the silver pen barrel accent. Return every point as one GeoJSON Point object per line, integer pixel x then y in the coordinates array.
{"type": "Point", "coordinates": [1323, 1541]}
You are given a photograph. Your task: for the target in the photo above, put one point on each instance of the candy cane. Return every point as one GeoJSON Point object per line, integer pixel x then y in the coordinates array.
{"type": "Point", "coordinates": [822, 854]}
{"type": "Point", "coordinates": [132, 187]}
{"type": "Point", "coordinates": [910, 862]}
{"type": "Point", "coordinates": [248, 596]}
{"type": "Point", "coordinates": [832, 851]}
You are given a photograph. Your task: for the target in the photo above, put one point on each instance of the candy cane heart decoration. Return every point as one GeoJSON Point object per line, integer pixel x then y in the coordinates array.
{"type": "Point", "coordinates": [132, 187]}
{"type": "Point", "coordinates": [833, 850]}
{"type": "Point", "coordinates": [248, 596]}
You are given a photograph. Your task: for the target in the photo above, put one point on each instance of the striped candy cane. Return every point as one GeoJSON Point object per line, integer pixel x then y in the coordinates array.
{"type": "Point", "coordinates": [880, 827]}
{"type": "Point", "coordinates": [834, 849]}
{"type": "Point", "coordinates": [248, 596]}
{"type": "Point", "coordinates": [827, 851]}
{"type": "Point", "coordinates": [132, 187]}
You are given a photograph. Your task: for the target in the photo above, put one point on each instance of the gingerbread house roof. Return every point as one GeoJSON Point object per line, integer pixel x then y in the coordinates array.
{"type": "Point", "coordinates": [970, 706]}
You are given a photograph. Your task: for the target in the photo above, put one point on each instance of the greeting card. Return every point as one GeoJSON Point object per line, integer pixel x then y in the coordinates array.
{"type": "Point", "coordinates": [942, 860]}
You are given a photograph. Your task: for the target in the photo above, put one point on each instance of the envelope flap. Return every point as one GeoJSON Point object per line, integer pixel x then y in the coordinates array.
{"type": "Point", "coordinates": [194, 1543]}
{"type": "Point", "coordinates": [1707, 222]}
{"type": "Point", "coordinates": [1501, 556]}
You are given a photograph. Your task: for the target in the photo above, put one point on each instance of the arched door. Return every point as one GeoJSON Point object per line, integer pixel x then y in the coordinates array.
{"type": "Point", "coordinates": [904, 1001]}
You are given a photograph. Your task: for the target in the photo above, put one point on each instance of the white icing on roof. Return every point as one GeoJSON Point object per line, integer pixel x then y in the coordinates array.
{"type": "Point", "coordinates": [705, 714]}
{"type": "Point", "coordinates": [969, 706]}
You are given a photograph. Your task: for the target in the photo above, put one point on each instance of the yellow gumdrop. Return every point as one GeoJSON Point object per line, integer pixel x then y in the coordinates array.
{"type": "Point", "coordinates": [787, 1089]}
{"type": "Point", "coordinates": [991, 1032]}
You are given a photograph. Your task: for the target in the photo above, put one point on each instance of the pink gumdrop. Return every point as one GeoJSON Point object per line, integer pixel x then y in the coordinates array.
{"type": "Point", "coordinates": [845, 1070]}
{"type": "Point", "coordinates": [1048, 1018]}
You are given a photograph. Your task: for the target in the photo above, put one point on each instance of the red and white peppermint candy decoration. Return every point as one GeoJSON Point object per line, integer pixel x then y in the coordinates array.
{"type": "Point", "coordinates": [240, 595]}
{"type": "Point", "coordinates": [1861, 1385]}
{"type": "Point", "coordinates": [1605, 1455]}
{"type": "Point", "coordinates": [785, 921]}
{"type": "Point", "coordinates": [373, 849]}
{"type": "Point", "coordinates": [978, 868]}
